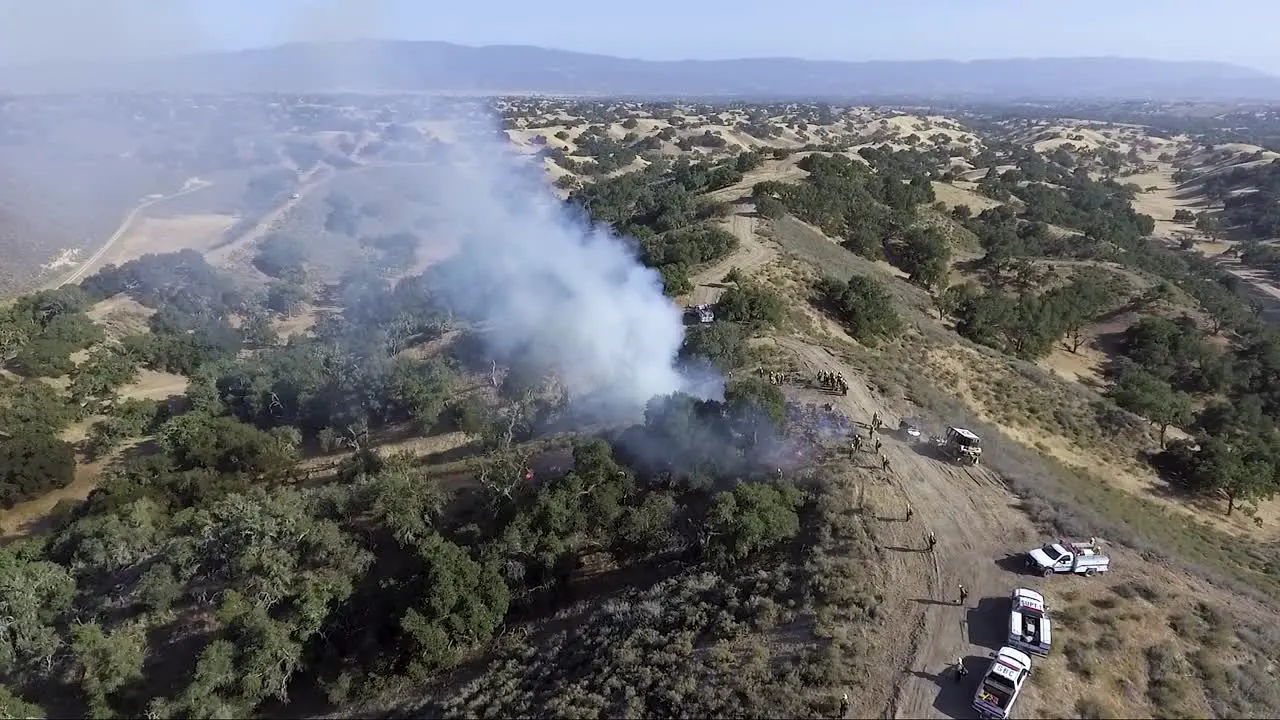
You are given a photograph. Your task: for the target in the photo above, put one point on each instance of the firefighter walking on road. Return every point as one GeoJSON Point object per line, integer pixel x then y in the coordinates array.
{"type": "Point", "coordinates": [964, 593]}
{"type": "Point", "coordinates": [932, 541]}
{"type": "Point", "coordinates": [909, 511]}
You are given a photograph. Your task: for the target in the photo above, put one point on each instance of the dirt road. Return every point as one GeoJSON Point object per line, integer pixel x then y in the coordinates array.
{"type": "Point", "coordinates": [92, 263]}
{"type": "Point", "coordinates": [310, 182]}
{"type": "Point", "coordinates": [785, 170]}
{"type": "Point", "coordinates": [977, 525]}
{"type": "Point", "coordinates": [313, 179]}
{"type": "Point", "coordinates": [751, 255]}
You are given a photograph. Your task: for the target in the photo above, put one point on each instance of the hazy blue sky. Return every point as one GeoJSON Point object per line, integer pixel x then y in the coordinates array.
{"type": "Point", "coordinates": [1232, 30]}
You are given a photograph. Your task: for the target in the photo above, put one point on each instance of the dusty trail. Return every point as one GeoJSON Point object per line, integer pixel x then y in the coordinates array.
{"type": "Point", "coordinates": [969, 509]}
{"type": "Point", "coordinates": [751, 255]}
{"type": "Point", "coordinates": [785, 170]}
{"type": "Point", "coordinates": [315, 179]}
{"type": "Point", "coordinates": [96, 259]}
{"type": "Point", "coordinates": [976, 523]}
{"type": "Point", "coordinates": [308, 183]}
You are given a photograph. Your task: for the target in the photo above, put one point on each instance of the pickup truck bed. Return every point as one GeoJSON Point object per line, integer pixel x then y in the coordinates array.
{"type": "Point", "coordinates": [1030, 626]}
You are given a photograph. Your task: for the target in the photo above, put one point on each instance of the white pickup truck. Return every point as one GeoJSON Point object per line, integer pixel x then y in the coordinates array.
{"type": "Point", "coordinates": [1082, 558]}
{"type": "Point", "coordinates": [1002, 683]}
{"type": "Point", "coordinates": [1029, 622]}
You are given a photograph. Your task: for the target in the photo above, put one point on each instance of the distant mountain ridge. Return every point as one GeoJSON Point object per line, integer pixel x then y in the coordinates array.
{"type": "Point", "coordinates": [428, 66]}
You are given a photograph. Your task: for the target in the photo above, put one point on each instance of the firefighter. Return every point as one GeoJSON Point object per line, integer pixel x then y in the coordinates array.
{"type": "Point", "coordinates": [857, 443]}
{"type": "Point", "coordinates": [909, 511]}
{"type": "Point", "coordinates": [844, 705]}
{"type": "Point", "coordinates": [961, 670]}
{"type": "Point", "coordinates": [878, 446]}
{"type": "Point", "coordinates": [884, 463]}
{"type": "Point", "coordinates": [932, 541]}
{"type": "Point", "coordinates": [964, 593]}
{"type": "Point", "coordinates": [875, 419]}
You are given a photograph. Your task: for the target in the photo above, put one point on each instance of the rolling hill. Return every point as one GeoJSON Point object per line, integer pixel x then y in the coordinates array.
{"type": "Point", "coordinates": [420, 66]}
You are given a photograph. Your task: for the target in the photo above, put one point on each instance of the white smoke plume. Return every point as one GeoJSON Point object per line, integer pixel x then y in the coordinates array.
{"type": "Point", "coordinates": [553, 290]}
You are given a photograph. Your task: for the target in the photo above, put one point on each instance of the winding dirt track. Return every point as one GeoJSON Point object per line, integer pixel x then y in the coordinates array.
{"type": "Point", "coordinates": [785, 170]}
{"type": "Point", "coordinates": [970, 510]}
{"type": "Point", "coordinates": [95, 260]}
{"type": "Point", "coordinates": [976, 523]}
{"type": "Point", "coordinates": [751, 256]}
{"type": "Point", "coordinates": [922, 627]}
{"type": "Point", "coordinates": [271, 221]}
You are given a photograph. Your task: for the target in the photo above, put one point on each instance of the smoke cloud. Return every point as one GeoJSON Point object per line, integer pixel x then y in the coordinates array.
{"type": "Point", "coordinates": [552, 290]}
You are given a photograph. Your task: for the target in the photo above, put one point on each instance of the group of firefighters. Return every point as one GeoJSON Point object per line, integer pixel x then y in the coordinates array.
{"type": "Point", "coordinates": [833, 381]}
{"type": "Point", "coordinates": [872, 441]}
{"type": "Point", "coordinates": [777, 378]}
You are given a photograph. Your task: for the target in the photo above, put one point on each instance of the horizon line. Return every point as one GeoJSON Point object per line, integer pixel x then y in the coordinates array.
{"type": "Point", "coordinates": [543, 48]}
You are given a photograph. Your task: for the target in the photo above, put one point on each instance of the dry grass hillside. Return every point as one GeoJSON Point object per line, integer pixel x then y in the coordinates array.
{"type": "Point", "coordinates": [1182, 626]}
{"type": "Point", "coordinates": [734, 130]}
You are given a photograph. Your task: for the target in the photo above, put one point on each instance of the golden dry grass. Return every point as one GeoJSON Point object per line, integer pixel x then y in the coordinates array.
{"type": "Point", "coordinates": [1140, 645]}
{"type": "Point", "coordinates": [1060, 418]}
{"type": "Point", "coordinates": [165, 234]}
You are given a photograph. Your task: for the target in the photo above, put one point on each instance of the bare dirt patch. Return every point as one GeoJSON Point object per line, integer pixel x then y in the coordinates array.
{"type": "Point", "coordinates": [120, 316]}
{"type": "Point", "coordinates": [31, 516]}
{"type": "Point", "coordinates": [163, 235]}
{"type": "Point", "coordinates": [752, 255]}
{"type": "Point", "coordinates": [786, 170]}
{"type": "Point", "coordinates": [952, 196]}
{"type": "Point", "coordinates": [298, 323]}
{"type": "Point", "coordinates": [152, 385]}
{"type": "Point", "coordinates": [975, 521]}
{"type": "Point", "coordinates": [1083, 366]}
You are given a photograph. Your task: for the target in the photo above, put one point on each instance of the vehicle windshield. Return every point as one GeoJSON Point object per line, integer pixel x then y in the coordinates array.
{"type": "Point", "coordinates": [1052, 552]}
{"type": "Point", "coordinates": [996, 691]}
